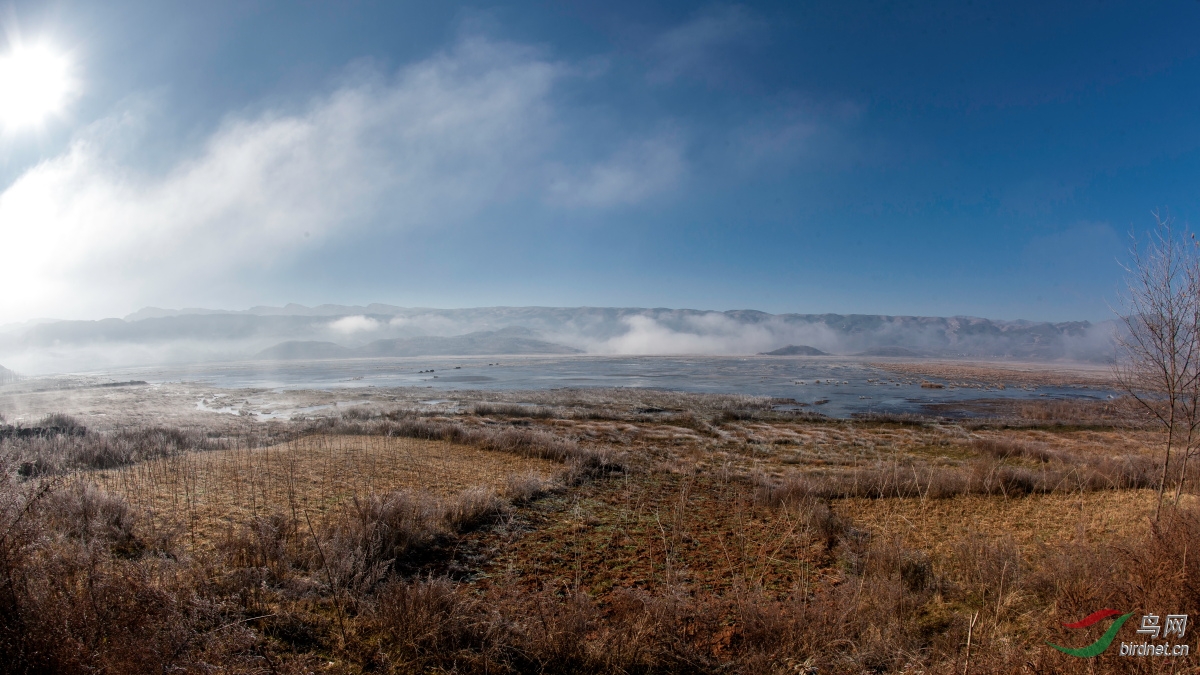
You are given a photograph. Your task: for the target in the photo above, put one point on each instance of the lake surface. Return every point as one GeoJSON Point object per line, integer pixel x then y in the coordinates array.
{"type": "Point", "coordinates": [838, 387]}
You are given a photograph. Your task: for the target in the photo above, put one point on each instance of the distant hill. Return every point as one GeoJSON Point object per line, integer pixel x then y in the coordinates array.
{"type": "Point", "coordinates": [891, 351]}
{"type": "Point", "coordinates": [303, 349]}
{"type": "Point", "coordinates": [795, 350]}
{"type": "Point", "coordinates": [513, 340]}
{"type": "Point", "coordinates": [7, 376]}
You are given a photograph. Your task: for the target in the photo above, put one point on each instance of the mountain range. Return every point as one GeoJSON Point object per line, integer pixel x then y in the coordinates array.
{"type": "Point", "coordinates": [511, 340]}
{"type": "Point", "coordinates": [158, 336]}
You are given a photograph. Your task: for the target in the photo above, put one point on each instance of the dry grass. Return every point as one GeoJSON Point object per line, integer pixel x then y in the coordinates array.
{"type": "Point", "coordinates": [713, 538]}
{"type": "Point", "coordinates": [1032, 522]}
{"type": "Point", "coordinates": [214, 492]}
{"type": "Point", "coordinates": [1009, 374]}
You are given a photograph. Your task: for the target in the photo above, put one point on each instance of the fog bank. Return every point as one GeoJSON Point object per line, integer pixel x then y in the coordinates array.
{"type": "Point", "coordinates": [155, 336]}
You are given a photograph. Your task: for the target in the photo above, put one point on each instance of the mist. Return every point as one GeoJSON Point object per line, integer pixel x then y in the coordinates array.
{"type": "Point", "coordinates": [196, 336]}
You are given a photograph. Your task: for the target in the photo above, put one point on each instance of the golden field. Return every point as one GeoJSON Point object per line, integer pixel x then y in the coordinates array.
{"type": "Point", "coordinates": [589, 534]}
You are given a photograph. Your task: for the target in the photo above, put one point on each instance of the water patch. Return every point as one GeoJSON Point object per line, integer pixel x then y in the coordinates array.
{"type": "Point", "coordinates": [839, 388]}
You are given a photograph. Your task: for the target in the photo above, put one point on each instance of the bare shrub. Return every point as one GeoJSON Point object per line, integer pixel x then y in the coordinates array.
{"type": "Point", "coordinates": [62, 423]}
{"type": "Point", "coordinates": [56, 453]}
{"type": "Point", "coordinates": [426, 623]}
{"type": "Point", "coordinates": [269, 542]}
{"type": "Point", "coordinates": [38, 466]}
{"type": "Point", "coordinates": [377, 534]}
{"type": "Point", "coordinates": [92, 516]}
{"type": "Point", "coordinates": [1126, 472]}
{"type": "Point", "coordinates": [376, 531]}
{"type": "Point", "coordinates": [521, 490]}
{"type": "Point", "coordinates": [473, 508]}
{"type": "Point", "coordinates": [1160, 347]}
{"type": "Point", "coordinates": [359, 413]}
{"type": "Point", "coordinates": [554, 633]}
{"type": "Point", "coordinates": [512, 410]}
{"type": "Point", "coordinates": [690, 420]}
{"type": "Point", "coordinates": [805, 498]}
{"type": "Point", "coordinates": [54, 424]}
{"type": "Point", "coordinates": [1005, 449]}
{"type": "Point", "coordinates": [529, 443]}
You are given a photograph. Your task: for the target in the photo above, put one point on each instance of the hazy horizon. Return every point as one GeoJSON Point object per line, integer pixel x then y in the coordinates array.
{"type": "Point", "coordinates": [149, 311]}
{"type": "Point", "coordinates": [157, 337]}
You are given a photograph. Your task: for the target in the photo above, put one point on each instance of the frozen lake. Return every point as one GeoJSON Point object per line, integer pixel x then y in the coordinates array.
{"type": "Point", "coordinates": [832, 386]}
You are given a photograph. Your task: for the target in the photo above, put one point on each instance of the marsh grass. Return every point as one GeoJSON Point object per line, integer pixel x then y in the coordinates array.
{"type": "Point", "coordinates": [985, 476]}
{"type": "Point", "coordinates": [208, 493]}
{"type": "Point", "coordinates": [513, 410]}
{"type": "Point", "coordinates": [60, 449]}
{"type": "Point", "coordinates": [688, 541]}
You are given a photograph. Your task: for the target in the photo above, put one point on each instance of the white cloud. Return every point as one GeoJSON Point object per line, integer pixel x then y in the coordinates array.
{"type": "Point", "coordinates": [694, 47]}
{"type": "Point", "coordinates": [798, 129]}
{"type": "Point", "coordinates": [87, 233]}
{"type": "Point", "coordinates": [633, 173]}
{"type": "Point", "coordinates": [647, 336]}
{"type": "Point", "coordinates": [774, 138]}
{"type": "Point", "coordinates": [709, 333]}
{"type": "Point", "coordinates": [355, 324]}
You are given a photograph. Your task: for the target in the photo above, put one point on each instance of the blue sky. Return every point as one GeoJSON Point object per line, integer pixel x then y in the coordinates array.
{"type": "Point", "coordinates": [955, 158]}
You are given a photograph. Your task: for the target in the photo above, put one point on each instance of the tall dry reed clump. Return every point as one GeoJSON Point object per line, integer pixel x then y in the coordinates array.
{"type": "Point", "coordinates": [58, 443]}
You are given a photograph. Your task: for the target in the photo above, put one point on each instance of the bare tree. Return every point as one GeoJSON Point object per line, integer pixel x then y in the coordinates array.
{"type": "Point", "coordinates": [1160, 364]}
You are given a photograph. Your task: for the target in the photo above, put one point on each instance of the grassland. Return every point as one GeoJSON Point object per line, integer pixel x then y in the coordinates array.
{"type": "Point", "coordinates": [581, 531]}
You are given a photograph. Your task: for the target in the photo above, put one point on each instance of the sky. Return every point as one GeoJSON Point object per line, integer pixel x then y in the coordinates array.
{"type": "Point", "coordinates": [921, 158]}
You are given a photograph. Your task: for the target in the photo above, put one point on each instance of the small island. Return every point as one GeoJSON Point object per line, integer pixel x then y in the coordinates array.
{"type": "Point", "coordinates": [795, 350]}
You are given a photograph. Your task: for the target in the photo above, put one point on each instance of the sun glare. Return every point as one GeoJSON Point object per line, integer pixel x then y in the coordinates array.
{"type": "Point", "coordinates": [35, 82]}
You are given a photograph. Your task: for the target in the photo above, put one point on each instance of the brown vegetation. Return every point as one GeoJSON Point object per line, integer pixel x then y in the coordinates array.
{"type": "Point", "coordinates": [707, 535]}
{"type": "Point", "coordinates": [1009, 374]}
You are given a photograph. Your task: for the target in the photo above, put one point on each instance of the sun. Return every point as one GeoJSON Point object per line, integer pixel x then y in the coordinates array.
{"type": "Point", "coordinates": [35, 82]}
